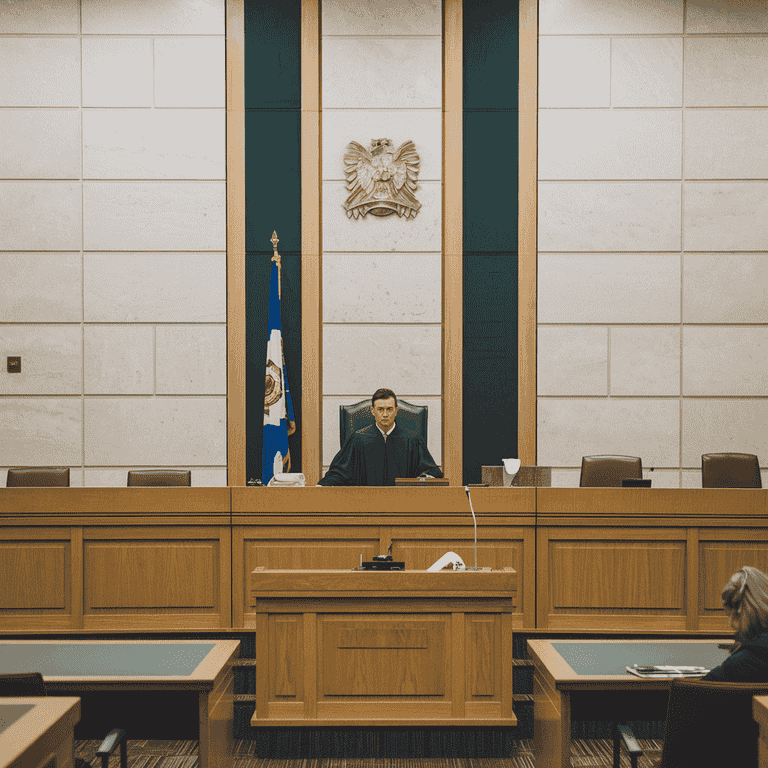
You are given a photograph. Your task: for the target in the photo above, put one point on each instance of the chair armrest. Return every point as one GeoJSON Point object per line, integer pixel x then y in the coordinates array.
{"type": "Point", "coordinates": [629, 740]}
{"type": "Point", "coordinates": [108, 746]}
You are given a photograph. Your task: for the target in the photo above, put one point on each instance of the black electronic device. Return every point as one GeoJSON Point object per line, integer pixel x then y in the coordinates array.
{"type": "Point", "coordinates": [383, 565]}
{"type": "Point", "coordinates": [634, 482]}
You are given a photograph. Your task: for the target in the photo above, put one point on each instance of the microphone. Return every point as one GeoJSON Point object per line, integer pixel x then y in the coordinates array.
{"type": "Point", "coordinates": [466, 489]}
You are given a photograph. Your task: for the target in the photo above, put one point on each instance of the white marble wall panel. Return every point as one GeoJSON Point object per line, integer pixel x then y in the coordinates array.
{"type": "Point", "coordinates": [40, 72]}
{"type": "Point", "coordinates": [331, 423]}
{"type": "Point", "coordinates": [574, 72]}
{"type": "Point", "coordinates": [566, 478]}
{"type": "Point", "coordinates": [41, 431]}
{"type": "Point", "coordinates": [154, 144]}
{"type": "Point", "coordinates": [362, 358]}
{"type": "Point", "coordinates": [153, 17]}
{"type": "Point", "coordinates": [190, 72]}
{"type": "Point", "coordinates": [708, 16]}
{"type": "Point", "coordinates": [726, 216]}
{"type": "Point", "coordinates": [618, 17]}
{"type": "Point", "coordinates": [382, 288]}
{"type": "Point", "coordinates": [719, 425]}
{"type": "Point", "coordinates": [117, 72]}
{"type": "Point", "coordinates": [609, 288]}
{"type": "Point", "coordinates": [382, 234]}
{"type": "Point", "coordinates": [118, 477]}
{"type": "Point", "coordinates": [163, 431]}
{"type": "Point", "coordinates": [726, 144]}
{"type": "Point", "coordinates": [41, 287]}
{"type": "Point", "coordinates": [572, 360]}
{"type": "Point", "coordinates": [423, 127]}
{"type": "Point", "coordinates": [610, 144]}
{"type": "Point", "coordinates": [382, 17]}
{"type": "Point", "coordinates": [375, 73]}
{"type": "Point", "coordinates": [725, 288]}
{"type": "Point", "coordinates": [726, 71]}
{"type": "Point", "coordinates": [51, 359]}
{"type": "Point", "coordinates": [609, 216]}
{"type": "Point", "coordinates": [154, 216]}
{"type": "Point", "coordinates": [725, 360]}
{"type": "Point", "coordinates": [40, 144]}
{"type": "Point", "coordinates": [647, 72]}
{"type": "Point", "coordinates": [645, 360]}
{"type": "Point", "coordinates": [39, 17]}
{"type": "Point", "coordinates": [570, 428]}
{"type": "Point", "coordinates": [191, 360]}
{"type": "Point", "coordinates": [40, 216]}
{"type": "Point", "coordinates": [119, 359]}
{"type": "Point", "coordinates": [155, 287]}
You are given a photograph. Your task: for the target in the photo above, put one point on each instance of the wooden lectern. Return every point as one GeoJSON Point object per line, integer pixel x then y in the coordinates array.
{"type": "Point", "coordinates": [352, 648]}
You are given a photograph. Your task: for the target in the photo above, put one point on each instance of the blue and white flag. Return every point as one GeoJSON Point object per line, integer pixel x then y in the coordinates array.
{"type": "Point", "coordinates": [278, 409]}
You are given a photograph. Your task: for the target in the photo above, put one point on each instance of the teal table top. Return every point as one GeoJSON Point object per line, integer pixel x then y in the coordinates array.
{"type": "Point", "coordinates": [613, 658]}
{"type": "Point", "coordinates": [10, 713]}
{"type": "Point", "coordinates": [103, 659]}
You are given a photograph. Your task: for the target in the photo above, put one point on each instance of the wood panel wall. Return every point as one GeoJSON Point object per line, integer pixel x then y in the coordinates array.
{"type": "Point", "coordinates": [146, 559]}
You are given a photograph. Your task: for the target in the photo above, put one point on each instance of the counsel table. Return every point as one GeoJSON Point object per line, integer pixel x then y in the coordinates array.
{"type": "Point", "coordinates": [571, 675]}
{"type": "Point", "coordinates": [201, 669]}
{"type": "Point", "coordinates": [33, 731]}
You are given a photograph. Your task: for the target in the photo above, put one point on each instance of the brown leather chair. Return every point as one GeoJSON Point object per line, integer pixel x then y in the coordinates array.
{"type": "Point", "coordinates": [730, 470]}
{"type": "Point", "coordinates": [159, 477]}
{"type": "Point", "coordinates": [609, 471]}
{"type": "Point", "coordinates": [38, 477]}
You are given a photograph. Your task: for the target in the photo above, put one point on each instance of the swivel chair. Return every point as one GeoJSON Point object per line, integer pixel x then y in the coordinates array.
{"type": "Point", "coordinates": [609, 471]}
{"type": "Point", "coordinates": [38, 477]}
{"type": "Point", "coordinates": [159, 477]}
{"type": "Point", "coordinates": [358, 416]}
{"type": "Point", "coordinates": [730, 470]}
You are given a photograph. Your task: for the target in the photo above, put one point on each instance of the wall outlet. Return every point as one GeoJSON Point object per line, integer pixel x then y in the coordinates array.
{"type": "Point", "coordinates": [14, 365]}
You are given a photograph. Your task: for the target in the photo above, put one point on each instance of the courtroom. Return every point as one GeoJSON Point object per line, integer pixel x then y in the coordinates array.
{"type": "Point", "coordinates": [383, 380]}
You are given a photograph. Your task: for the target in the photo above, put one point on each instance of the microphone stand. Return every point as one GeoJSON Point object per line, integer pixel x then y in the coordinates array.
{"type": "Point", "coordinates": [466, 489]}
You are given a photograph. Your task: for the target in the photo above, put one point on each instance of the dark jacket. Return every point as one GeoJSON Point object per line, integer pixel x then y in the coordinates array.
{"type": "Point", "coordinates": [747, 665]}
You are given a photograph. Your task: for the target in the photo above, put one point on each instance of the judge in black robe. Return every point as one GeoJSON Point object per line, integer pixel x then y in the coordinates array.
{"type": "Point", "coordinates": [367, 459]}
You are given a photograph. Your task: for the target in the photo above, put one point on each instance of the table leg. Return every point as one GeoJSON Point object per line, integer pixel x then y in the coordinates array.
{"type": "Point", "coordinates": [552, 723]}
{"type": "Point", "coordinates": [216, 717]}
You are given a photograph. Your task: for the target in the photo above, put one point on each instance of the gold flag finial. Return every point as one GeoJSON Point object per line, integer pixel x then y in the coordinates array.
{"type": "Point", "coordinates": [276, 258]}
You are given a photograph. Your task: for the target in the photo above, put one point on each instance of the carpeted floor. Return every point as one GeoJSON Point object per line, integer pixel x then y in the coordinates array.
{"type": "Point", "coordinates": [585, 753]}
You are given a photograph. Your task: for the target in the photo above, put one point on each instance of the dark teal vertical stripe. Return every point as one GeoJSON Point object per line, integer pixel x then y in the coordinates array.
{"type": "Point", "coordinates": [272, 202]}
{"type": "Point", "coordinates": [490, 233]}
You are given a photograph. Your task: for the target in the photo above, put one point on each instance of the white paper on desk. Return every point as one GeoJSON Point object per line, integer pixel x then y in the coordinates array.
{"type": "Point", "coordinates": [448, 557]}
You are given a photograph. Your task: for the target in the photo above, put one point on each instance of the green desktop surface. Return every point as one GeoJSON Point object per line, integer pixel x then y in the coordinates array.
{"type": "Point", "coordinates": [103, 659]}
{"type": "Point", "coordinates": [10, 713]}
{"type": "Point", "coordinates": [613, 658]}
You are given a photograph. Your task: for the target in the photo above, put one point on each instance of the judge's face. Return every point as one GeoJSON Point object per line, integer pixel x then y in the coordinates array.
{"type": "Point", "coordinates": [384, 411]}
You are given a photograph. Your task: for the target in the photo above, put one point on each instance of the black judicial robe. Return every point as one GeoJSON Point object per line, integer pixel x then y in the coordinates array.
{"type": "Point", "coordinates": [365, 459]}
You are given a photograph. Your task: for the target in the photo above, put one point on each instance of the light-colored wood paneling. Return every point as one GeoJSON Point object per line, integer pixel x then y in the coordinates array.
{"type": "Point", "coordinates": [235, 243]}
{"type": "Point", "coordinates": [285, 635]}
{"type": "Point", "coordinates": [311, 243]}
{"type": "Point", "coordinates": [483, 661]}
{"type": "Point", "coordinates": [35, 576]}
{"type": "Point", "coordinates": [453, 247]}
{"type": "Point", "coordinates": [526, 235]}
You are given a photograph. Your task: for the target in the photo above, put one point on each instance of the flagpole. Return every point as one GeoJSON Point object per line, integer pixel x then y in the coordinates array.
{"type": "Point", "coordinates": [276, 257]}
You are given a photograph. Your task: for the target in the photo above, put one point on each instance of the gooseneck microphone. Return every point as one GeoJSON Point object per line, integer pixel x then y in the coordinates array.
{"type": "Point", "coordinates": [466, 488]}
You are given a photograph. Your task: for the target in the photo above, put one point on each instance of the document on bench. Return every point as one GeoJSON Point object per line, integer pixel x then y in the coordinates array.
{"type": "Point", "coordinates": [666, 671]}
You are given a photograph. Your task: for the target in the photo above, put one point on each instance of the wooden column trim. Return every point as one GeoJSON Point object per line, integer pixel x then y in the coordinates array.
{"type": "Point", "coordinates": [311, 244]}
{"type": "Point", "coordinates": [453, 255]}
{"type": "Point", "coordinates": [235, 243]}
{"type": "Point", "coordinates": [527, 195]}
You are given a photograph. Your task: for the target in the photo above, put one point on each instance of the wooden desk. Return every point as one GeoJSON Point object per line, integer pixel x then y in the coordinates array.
{"type": "Point", "coordinates": [584, 677]}
{"type": "Point", "coordinates": [760, 714]}
{"type": "Point", "coordinates": [202, 669]}
{"type": "Point", "coordinates": [383, 648]}
{"type": "Point", "coordinates": [34, 731]}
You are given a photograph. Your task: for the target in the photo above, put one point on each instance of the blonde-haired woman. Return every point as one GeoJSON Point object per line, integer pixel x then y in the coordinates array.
{"type": "Point", "coordinates": [745, 601]}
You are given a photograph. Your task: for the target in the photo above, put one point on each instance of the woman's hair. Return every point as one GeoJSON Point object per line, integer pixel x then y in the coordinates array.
{"type": "Point", "coordinates": [745, 600]}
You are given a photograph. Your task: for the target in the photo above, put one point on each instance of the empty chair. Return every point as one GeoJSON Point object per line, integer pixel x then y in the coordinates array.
{"type": "Point", "coordinates": [609, 471]}
{"type": "Point", "coordinates": [159, 477]}
{"type": "Point", "coordinates": [38, 477]}
{"type": "Point", "coordinates": [31, 684]}
{"type": "Point", "coordinates": [358, 416]}
{"type": "Point", "coordinates": [730, 470]}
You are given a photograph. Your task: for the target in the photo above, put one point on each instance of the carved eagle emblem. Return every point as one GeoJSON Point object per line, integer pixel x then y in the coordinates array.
{"type": "Point", "coordinates": [382, 181]}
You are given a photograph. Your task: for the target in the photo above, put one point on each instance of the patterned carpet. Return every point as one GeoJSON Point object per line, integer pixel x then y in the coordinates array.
{"type": "Point", "coordinates": [585, 753]}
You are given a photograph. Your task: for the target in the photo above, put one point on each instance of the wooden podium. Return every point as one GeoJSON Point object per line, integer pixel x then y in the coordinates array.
{"type": "Point", "coordinates": [358, 648]}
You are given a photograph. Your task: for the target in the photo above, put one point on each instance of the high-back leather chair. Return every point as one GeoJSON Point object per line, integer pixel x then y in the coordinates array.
{"type": "Point", "coordinates": [708, 724]}
{"type": "Point", "coordinates": [159, 477]}
{"type": "Point", "coordinates": [730, 470]}
{"type": "Point", "coordinates": [609, 471]}
{"type": "Point", "coordinates": [31, 684]}
{"type": "Point", "coordinates": [38, 477]}
{"type": "Point", "coordinates": [358, 416]}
